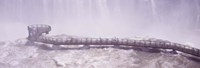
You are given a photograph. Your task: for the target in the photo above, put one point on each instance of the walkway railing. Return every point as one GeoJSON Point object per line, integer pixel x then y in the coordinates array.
{"type": "Point", "coordinates": [37, 34]}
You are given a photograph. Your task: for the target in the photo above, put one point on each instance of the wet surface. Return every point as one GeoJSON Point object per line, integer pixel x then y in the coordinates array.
{"type": "Point", "coordinates": [20, 55]}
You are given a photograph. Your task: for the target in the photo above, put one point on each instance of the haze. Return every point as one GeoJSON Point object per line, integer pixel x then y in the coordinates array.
{"type": "Point", "coordinates": [174, 20]}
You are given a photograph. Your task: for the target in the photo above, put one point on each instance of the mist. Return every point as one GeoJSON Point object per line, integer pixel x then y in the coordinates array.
{"type": "Point", "coordinates": [174, 20]}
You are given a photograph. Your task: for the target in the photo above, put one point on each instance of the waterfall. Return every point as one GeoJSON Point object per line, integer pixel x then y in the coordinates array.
{"type": "Point", "coordinates": [153, 8]}
{"type": "Point", "coordinates": [45, 10]}
{"type": "Point", "coordinates": [198, 15]}
{"type": "Point", "coordinates": [155, 18]}
{"type": "Point", "coordinates": [94, 10]}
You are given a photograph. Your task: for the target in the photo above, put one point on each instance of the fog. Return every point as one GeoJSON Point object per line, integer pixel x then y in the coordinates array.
{"type": "Point", "coordinates": [174, 20]}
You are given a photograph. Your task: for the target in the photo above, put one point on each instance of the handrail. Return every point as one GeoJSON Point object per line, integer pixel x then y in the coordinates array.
{"type": "Point", "coordinates": [36, 35]}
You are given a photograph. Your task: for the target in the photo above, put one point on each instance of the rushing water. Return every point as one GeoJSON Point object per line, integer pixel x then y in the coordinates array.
{"type": "Point", "coordinates": [175, 20]}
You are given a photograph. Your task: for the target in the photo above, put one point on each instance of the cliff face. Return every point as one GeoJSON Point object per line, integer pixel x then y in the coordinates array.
{"type": "Point", "coordinates": [19, 54]}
